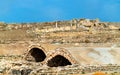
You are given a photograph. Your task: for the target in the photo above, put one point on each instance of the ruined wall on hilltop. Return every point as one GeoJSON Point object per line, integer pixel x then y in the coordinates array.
{"type": "Point", "coordinates": [75, 24]}
{"type": "Point", "coordinates": [41, 31]}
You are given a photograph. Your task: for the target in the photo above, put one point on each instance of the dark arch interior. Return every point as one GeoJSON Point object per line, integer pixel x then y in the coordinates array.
{"type": "Point", "coordinates": [58, 61]}
{"type": "Point", "coordinates": [38, 54]}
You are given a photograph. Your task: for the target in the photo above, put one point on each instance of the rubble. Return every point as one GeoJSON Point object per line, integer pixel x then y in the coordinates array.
{"type": "Point", "coordinates": [71, 69]}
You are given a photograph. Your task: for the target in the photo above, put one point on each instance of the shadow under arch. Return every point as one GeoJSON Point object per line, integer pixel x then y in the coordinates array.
{"type": "Point", "coordinates": [58, 60]}
{"type": "Point", "coordinates": [59, 57]}
{"type": "Point", "coordinates": [35, 54]}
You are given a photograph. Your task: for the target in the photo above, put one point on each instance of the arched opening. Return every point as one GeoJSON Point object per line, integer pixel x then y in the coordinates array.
{"type": "Point", "coordinates": [58, 61]}
{"type": "Point", "coordinates": [37, 55]}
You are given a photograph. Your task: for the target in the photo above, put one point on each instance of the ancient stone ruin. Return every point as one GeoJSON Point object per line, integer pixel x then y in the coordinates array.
{"type": "Point", "coordinates": [35, 54]}
{"type": "Point", "coordinates": [59, 57]}
{"type": "Point", "coordinates": [54, 58]}
{"type": "Point", "coordinates": [62, 47]}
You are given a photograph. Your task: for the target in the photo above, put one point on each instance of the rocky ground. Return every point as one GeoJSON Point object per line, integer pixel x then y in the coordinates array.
{"type": "Point", "coordinates": [32, 68]}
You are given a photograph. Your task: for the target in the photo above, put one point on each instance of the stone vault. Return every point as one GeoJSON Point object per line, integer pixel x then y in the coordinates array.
{"type": "Point", "coordinates": [35, 53]}
{"type": "Point", "coordinates": [52, 58]}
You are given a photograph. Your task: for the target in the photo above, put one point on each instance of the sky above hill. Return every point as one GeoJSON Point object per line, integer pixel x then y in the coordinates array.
{"type": "Point", "coordinates": [17, 11]}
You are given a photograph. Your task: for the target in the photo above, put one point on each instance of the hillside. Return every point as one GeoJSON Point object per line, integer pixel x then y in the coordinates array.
{"type": "Point", "coordinates": [73, 31]}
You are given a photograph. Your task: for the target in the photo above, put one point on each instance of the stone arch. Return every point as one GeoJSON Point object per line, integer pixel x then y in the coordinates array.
{"type": "Point", "coordinates": [59, 57]}
{"type": "Point", "coordinates": [35, 53]}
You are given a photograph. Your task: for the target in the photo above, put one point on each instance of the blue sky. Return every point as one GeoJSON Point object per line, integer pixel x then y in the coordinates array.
{"type": "Point", "coordinates": [17, 11]}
